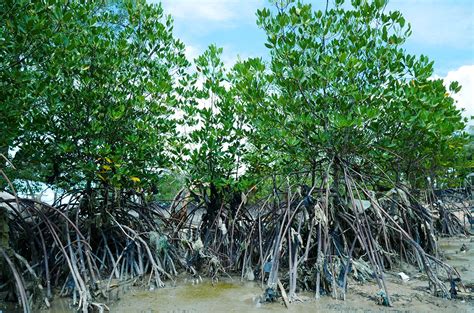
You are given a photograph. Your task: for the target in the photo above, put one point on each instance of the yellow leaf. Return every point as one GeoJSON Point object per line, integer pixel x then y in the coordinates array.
{"type": "Point", "coordinates": [446, 94]}
{"type": "Point", "coordinates": [106, 167]}
{"type": "Point", "coordinates": [135, 179]}
{"type": "Point", "coordinates": [108, 160]}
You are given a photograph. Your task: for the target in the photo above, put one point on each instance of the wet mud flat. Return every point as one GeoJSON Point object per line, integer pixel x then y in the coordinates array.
{"type": "Point", "coordinates": [190, 295]}
{"type": "Point", "coordinates": [235, 296]}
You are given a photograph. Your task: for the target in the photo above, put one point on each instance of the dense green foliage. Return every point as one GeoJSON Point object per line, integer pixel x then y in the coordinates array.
{"type": "Point", "coordinates": [215, 123]}
{"type": "Point", "coordinates": [90, 93]}
{"type": "Point", "coordinates": [99, 94]}
{"type": "Point", "coordinates": [343, 90]}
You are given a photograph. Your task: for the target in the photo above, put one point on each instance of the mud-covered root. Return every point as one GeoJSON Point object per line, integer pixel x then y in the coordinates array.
{"type": "Point", "coordinates": [305, 237]}
{"type": "Point", "coordinates": [318, 238]}
{"type": "Point", "coordinates": [77, 252]}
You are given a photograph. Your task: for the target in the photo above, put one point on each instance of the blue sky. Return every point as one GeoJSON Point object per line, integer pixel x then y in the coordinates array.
{"type": "Point", "coordinates": [442, 30]}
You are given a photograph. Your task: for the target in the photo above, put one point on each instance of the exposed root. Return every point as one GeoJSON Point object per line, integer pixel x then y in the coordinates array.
{"type": "Point", "coordinates": [296, 238]}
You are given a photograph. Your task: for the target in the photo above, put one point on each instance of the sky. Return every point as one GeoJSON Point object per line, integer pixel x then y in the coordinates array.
{"type": "Point", "coordinates": [442, 29]}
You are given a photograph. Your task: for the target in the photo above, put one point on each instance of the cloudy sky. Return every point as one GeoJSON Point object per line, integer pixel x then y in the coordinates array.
{"type": "Point", "coordinates": [442, 29]}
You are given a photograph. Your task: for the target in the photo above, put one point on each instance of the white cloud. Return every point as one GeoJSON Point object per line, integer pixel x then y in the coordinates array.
{"type": "Point", "coordinates": [216, 11]}
{"type": "Point", "coordinates": [439, 22]}
{"type": "Point", "coordinates": [211, 10]}
{"type": "Point", "coordinates": [465, 98]}
{"type": "Point", "coordinates": [192, 52]}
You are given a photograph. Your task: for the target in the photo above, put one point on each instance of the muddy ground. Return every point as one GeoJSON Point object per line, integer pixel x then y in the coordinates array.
{"type": "Point", "coordinates": [231, 295]}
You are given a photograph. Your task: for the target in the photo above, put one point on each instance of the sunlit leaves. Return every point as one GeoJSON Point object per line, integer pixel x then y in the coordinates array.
{"type": "Point", "coordinates": [215, 123]}
{"type": "Point", "coordinates": [102, 81]}
{"type": "Point", "coordinates": [343, 88]}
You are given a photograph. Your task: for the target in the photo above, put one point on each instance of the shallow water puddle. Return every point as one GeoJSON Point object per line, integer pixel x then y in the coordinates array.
{"type": "Point", "coordinates": [224, 296]}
